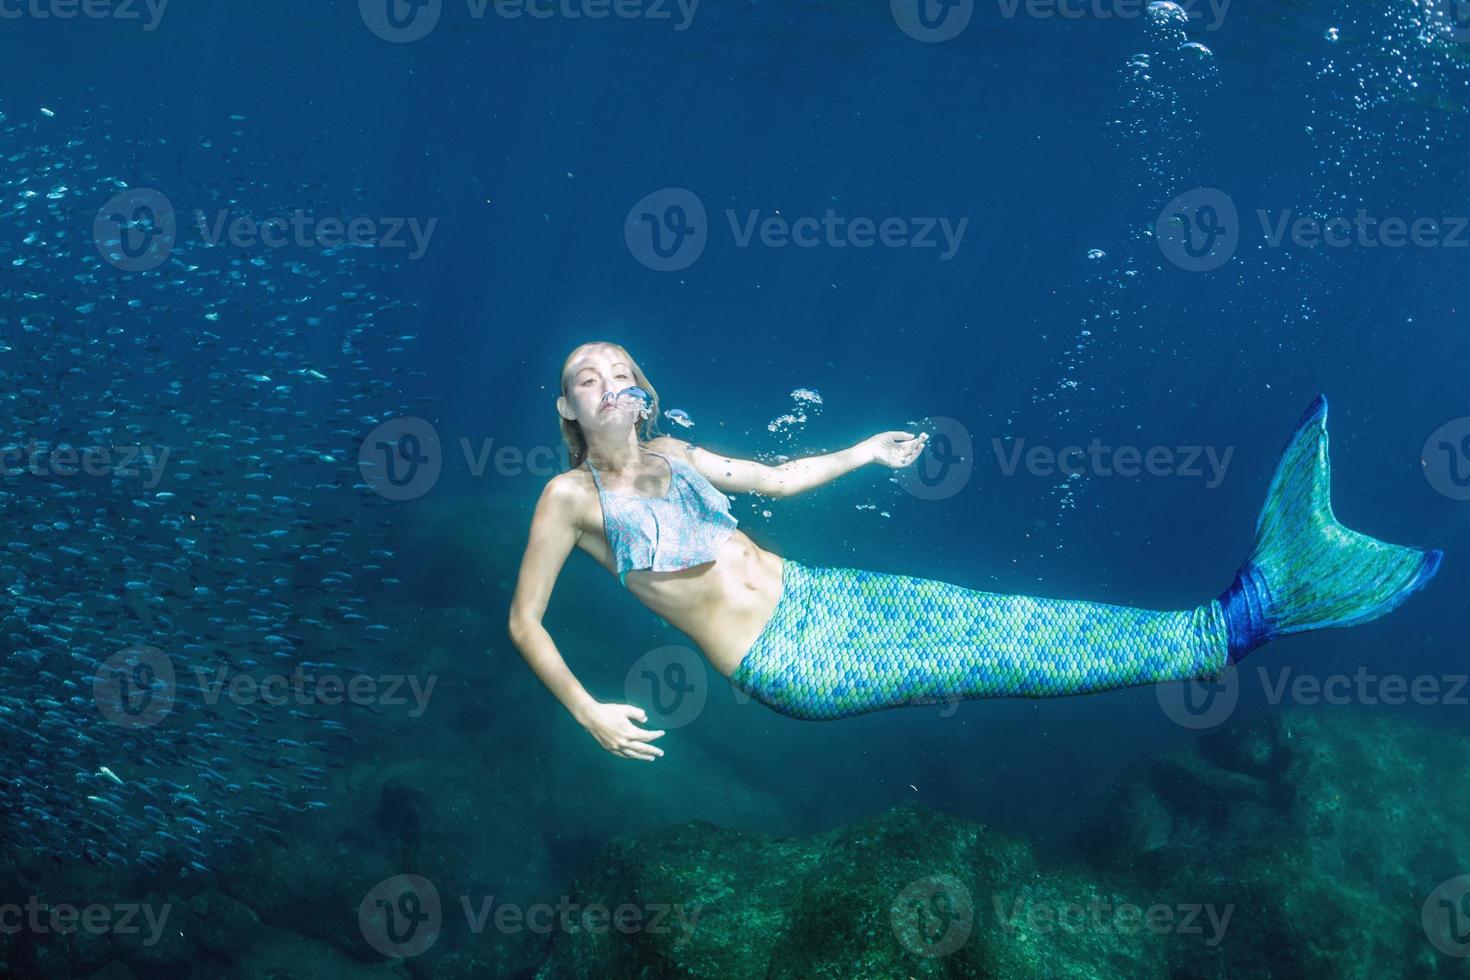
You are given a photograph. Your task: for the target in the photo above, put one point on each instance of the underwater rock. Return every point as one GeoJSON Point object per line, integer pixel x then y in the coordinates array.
{"type": "Point", "coordinates": [909, 892]}
{"type": "Point", "coordinates": [278, 953]}
{"type": "Point", "coordinates": [1327, 830]}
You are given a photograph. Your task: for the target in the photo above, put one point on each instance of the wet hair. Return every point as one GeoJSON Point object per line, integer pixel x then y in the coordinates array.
{"type": "Point", "coordinates": [571, 431]}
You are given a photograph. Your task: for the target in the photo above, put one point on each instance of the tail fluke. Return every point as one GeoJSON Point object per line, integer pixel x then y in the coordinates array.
{"type": "Point", "coordinates": [1307, 571]}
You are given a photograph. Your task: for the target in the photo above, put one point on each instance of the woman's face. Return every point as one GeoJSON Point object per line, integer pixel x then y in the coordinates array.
{"type": "Point", "coordinates": [594, 377]}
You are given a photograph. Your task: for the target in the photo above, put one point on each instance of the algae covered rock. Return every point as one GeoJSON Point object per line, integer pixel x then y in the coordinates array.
{"type": "Point", "coordinates": [1326, 831]}
{"type": "Point", "coordinates": [910, 892]}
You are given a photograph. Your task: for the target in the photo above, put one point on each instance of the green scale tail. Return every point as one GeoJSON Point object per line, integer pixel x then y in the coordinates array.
{"type": "Point", "coordinates": [844, 641]}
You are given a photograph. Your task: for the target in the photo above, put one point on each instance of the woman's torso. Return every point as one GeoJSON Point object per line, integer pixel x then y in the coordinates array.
{"type": "Point", "coordinates": [722, 604]}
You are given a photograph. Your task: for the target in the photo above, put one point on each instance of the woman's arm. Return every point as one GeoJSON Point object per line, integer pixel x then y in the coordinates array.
{"type": "Point", "coordinates": [732, 475]}
{"type": "Point", "coordinates": [553, 535]}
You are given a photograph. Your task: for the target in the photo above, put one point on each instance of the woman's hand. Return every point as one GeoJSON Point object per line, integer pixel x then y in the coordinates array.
{"type": "Point", "coordinates": [895, 449]}
{"type": "Point", "coordinates": [612, 726]}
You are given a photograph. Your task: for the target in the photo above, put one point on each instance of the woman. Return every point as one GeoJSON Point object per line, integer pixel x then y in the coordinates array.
{"type": "Point", "coordinates": [822, 643]}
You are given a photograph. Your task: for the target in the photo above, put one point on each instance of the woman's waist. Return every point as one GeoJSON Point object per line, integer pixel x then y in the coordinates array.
{"type": "Point", "coordinates": [741, 572]}
{"type": "Point", "coordinates": [721, 604]}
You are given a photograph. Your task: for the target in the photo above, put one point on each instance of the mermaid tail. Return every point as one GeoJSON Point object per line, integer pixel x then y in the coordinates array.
{"type": "Point", "coordinates": [1307, 571]}
{"type": "Point", "coordinates": [845, 641]}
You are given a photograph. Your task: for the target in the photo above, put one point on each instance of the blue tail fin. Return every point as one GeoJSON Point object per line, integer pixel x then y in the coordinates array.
{"type": "Point", "coordinates": [1307, 571]}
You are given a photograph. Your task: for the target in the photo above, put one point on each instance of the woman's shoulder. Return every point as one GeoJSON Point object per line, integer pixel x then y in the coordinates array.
{"type": "Point", "coordinates": [670, 446]}
{"type": "Point", "coordinates": [570, 488]}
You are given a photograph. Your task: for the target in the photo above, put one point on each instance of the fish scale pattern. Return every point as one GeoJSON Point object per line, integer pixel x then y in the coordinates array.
{"type": "Point", "coordinates": [844, 641]}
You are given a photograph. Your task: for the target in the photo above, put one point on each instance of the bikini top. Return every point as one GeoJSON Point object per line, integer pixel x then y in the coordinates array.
{"type": "Point", "coordinates": [683, 528]}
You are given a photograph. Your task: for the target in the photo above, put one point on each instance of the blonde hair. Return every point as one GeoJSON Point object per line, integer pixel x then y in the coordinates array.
{"type": "Point", "coordinates": [571, 430]}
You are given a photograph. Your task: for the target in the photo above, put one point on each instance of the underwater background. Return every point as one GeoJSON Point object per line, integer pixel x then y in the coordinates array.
{"type": "Point", "coordinates": [259, 714]}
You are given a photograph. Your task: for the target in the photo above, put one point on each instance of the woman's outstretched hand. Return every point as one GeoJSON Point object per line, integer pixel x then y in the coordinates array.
{"type": "Point", "coordinates": [612, 726]}
{"type": "Point", "coordinates": [895, 449]}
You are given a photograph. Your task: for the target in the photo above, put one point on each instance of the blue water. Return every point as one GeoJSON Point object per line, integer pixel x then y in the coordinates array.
{"type": "Point", "coordinates": [520, 147]}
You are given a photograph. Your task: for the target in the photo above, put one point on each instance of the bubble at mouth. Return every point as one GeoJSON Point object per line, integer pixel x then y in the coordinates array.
{"type": "Point", "coordinates": [632, 391]}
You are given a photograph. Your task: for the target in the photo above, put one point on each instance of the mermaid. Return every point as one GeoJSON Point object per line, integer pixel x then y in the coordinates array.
{"type": "Point", "coordinates": [821, 643]}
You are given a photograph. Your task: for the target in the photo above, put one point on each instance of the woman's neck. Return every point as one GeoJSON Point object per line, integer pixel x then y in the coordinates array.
{"type": "Point", "coordinates": [617, 457]}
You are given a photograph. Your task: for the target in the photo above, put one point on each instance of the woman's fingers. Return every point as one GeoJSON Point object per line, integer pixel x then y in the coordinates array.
{"type": "Point", "coordinates": [635, 740]}
{"type": "Point", "coordinates": [640, 750]}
